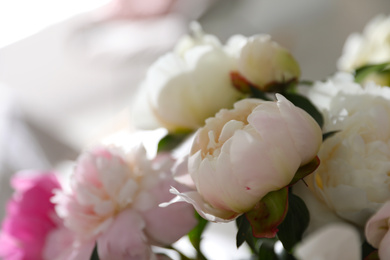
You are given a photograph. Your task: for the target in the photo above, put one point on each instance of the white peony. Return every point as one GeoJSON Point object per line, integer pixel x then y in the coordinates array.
{"type": "Point", "coordinates": [336, 242]}
{"type": "Point", "coordinates": [201, 76]}
{"type": "Point", "coordinates": [370, 47]}
{"type": "Point", "coordinates": [353, 177]}
{"type": "Point", "coordinates": [185, 87]}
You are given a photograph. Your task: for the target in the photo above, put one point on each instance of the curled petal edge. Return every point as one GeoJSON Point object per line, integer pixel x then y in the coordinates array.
{"type": "Point", "coordinates": [203, 208]}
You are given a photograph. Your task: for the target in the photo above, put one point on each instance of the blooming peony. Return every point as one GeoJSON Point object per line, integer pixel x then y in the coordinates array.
{"type": "Point", "coordinates": [30, 216]}
{"type": "Point", "coordinates": [114, 200]}
{"type": "Point", "coordinates": [242, 154]}
{"type": "Point", "coordinates": [353, 178]}
{"type": "Point", "coordinates": [377, 231]}
{"type": "Point", "coordinates": [371, 47]}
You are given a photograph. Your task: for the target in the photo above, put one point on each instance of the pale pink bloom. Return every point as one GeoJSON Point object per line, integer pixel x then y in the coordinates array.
{"type": "Point", "coordinates": [114, 200]}
{"type": "Point", "coordinates": [242, 154]}
{"type": "Point", "coordinates": [30, 216]}
{"type": "Point", "coordinates": [377, 231]}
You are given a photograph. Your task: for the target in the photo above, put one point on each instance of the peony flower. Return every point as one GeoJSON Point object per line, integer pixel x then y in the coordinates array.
{"type": "Point", "coordinates": [353, 179]}
{"type": "Point", "coordinates": [369, 48]}
{"type": "Point", "coordinates": [186, 86]}
{"type": "Point", "coordinates": [30, 216]}
{"type": "Point", "coordinates": [377, 231]}
{"type": "Point", "coordinates": [265, 64]}
{"type": "Point", "coordinates": [242, 154]}
{"type": "Point", "coordinates": [336, 242]}
{"type": "Point", "coordinates": [114, 200]}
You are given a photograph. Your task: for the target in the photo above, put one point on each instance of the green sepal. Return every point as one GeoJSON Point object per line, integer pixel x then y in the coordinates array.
{"type": "Point", "coordinates": [305, 170]}
{"type": "Point", "coordinates": [362, 72]}
{"type": "Point", "coordinates": [268, 213]}
{"type": "Point", "coordinates": [294, 224]}
{"type": "Point", "coordinates": [304, 103]}
{"type": "Point", "coordinates": [245, 86]}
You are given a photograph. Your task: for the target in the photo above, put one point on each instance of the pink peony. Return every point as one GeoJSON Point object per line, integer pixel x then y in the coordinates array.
{"type": "Point", "coordinates": [377, 231]}
{"type": "Point", "coordinates": [114, 200]}
{"type": "Point", "coordinates": [242, 154]}
{"type": "Point", "coordinates": [30, 216]}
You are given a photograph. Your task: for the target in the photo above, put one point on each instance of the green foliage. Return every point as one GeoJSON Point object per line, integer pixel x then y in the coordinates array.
{"type": "Point", "coordinates": [295, 223]}
{"type": "Point", "coordinates": [171, 141]}
{"type": "Point", "coordinates": [328, 134]}
{"type": "Point", "coordinates": [369, 252]}
{"type": "Point", "coordinates": [362, 72]}
{"type": "Point", "coordinates": [195, 235]}
{"type": "Point", "coordinates": [244, 234]}
{"type": "Point", "coordinates": [304, 103]}
{"type": "Point", "coordinates": [257, 93]}
{"type": "Point", "coordinates": [266, 250]}
{"type": "Point", "coordinates": [94, 255]}
{"type": "Point", "coordinates": [305, 170]}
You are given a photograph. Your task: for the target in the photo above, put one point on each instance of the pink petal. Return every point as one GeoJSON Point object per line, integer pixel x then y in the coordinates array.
{"type": "Point", "coordinates": [384, 248]}
{"type": "Point", "coordinates": [203, 208]}
{"type": "Point", "coordinates": [167, 225]}
{"type": "Point", "coordinates": [302, 127]}
{"type": "Point", "coordinates": [119, 243]}
{"type": "Point", "coordinates": [377, 226]}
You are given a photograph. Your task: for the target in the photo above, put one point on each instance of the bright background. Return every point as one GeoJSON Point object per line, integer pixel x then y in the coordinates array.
{"type": "Point", "coordinates": [66, 79]}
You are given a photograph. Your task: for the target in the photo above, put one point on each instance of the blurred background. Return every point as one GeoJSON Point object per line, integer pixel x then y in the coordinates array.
{"type": "Point", "coordinates": [69, 69]}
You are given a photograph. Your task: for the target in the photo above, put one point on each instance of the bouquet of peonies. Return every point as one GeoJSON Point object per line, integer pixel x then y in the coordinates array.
{"type": "Point", "coordinates": [302, 168]}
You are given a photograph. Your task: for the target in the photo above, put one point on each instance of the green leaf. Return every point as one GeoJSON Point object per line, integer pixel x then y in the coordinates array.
{"type": "Point", "coordinates": [369, 252]}
{"type": "Point", "coordinates": [328, 134]}
{"type": "Point", "coordinates": [257, 93]}
{"type": "Point", "coordinates": [305, 170]}
{"type": "Point", "coordinates": [295, 223]}
{"type": "Point", "coordinates": [244, 230]}
{"type": "Point", "coordinates": [304, 103]}
{"type": "Point", "coordinates": [373, 256]}
{"type": "Point", "coordinates": [94, 255]}
{"type": "Point", "coordinates": [306, 82]}
{"type": "Point", "coordinates": [268, 213]}
{"type": "Point", "coordinates": [362, 72]}
{"type": "Point", "coordinates": [244, 234]}
{"type": "Point", "coordinates": [195, 235]}
{"type": "Point", "coordinates": [171, 141]}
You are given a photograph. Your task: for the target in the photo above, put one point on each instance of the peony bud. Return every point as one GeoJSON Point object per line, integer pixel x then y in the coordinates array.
{"type": "Point", "coordinates": [185, 87]}
{"type": "Point", "coordinates": [266, 65]}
